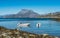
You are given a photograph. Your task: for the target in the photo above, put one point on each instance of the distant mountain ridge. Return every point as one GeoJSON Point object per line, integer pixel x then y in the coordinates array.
{"type": "Point", "coordinates": [24, 13]}
{"type": "Point", "coordinates": [52, 15]}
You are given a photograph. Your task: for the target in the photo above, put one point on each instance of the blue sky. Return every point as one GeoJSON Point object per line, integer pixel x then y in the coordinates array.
{"type": "Point", "coordinates": [39, 6]}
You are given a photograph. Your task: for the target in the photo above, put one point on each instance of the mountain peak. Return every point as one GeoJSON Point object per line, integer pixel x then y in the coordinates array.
{"type": "Point", "coordinates": [24, 11]}
{"type": "Point", "coordinates": [27, 13]}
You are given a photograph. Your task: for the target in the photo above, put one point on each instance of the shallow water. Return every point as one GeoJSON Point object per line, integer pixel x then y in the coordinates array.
{"type": "Point", "coordinates": [47, 26]}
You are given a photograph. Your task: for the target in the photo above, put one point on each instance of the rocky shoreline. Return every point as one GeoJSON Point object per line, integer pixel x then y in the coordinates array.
{"type": "Point", "coordinates": [14, 33]}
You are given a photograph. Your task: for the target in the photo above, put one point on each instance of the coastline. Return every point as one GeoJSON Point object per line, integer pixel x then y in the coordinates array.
{"type": "Point", "coordinates": [14, 33]}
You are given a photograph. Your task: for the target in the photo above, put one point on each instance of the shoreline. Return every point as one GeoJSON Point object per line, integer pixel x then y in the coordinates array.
{"type": "Point", "coordinates": [14, 33]}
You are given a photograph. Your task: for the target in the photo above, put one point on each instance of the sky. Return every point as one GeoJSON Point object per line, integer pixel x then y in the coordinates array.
{"type": "Point", "coordinates": [39, 6]}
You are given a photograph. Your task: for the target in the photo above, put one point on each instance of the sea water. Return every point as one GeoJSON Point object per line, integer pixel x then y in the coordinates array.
{"type": "Point", "coordinates": [50, 27]}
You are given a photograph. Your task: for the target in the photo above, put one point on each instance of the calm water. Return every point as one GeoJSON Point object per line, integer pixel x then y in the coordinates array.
{"type": "Point", "coordinates": [47, 26]}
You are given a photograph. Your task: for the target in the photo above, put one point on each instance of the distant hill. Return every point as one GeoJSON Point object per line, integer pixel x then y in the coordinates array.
{"type": "Point", "coordinates": [24, 13]}
{"type": "Point", "coordinates": [55, 14]}
{"type": "Point", "coordinates": [51, 15]}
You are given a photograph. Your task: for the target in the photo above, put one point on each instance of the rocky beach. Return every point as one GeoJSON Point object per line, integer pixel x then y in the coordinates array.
{"type": "Point", "coordinates": [14, 33]}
